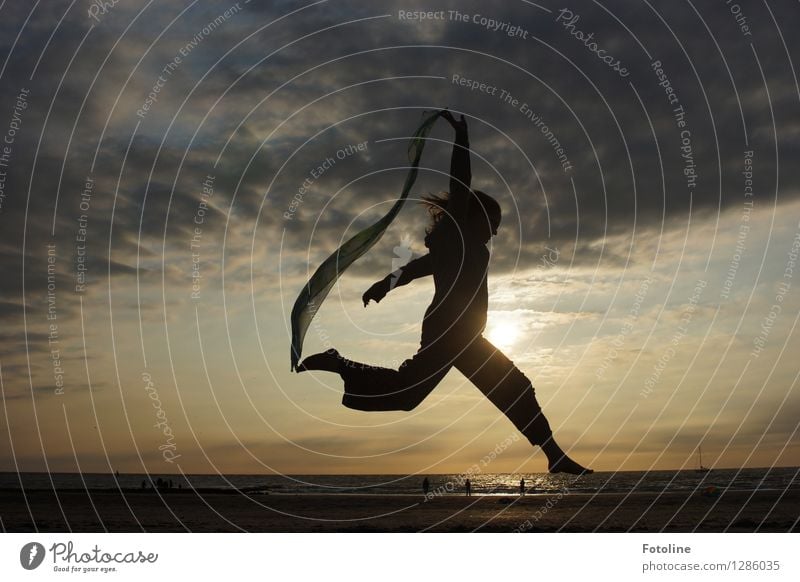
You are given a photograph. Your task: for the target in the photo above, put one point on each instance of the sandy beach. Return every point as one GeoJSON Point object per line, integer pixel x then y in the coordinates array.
{"type": "Point", "coordinates": [213, 511]}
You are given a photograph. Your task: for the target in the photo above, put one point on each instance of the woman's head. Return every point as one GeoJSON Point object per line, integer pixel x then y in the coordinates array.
{"type": "Point", "coordinates": [483, 216]}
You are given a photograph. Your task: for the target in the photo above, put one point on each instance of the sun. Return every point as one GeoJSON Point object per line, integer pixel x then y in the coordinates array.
{"type": "Point", "coordinates": [503, 334]}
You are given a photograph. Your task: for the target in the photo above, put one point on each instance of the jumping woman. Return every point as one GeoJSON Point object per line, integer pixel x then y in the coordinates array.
{"type": "Point", "coordinates": [463, 222]}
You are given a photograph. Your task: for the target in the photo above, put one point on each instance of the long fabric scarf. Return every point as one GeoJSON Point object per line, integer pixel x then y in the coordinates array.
{"type": "Point", "coordinates": [314, 292]}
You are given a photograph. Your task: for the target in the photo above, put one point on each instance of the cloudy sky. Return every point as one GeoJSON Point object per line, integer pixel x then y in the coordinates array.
{"type": "Point", "coordinates": [154, 234]}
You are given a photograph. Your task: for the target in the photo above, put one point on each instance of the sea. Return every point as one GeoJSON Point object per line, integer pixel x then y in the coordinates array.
{"type": "Point", "coordinates": [716, 480]}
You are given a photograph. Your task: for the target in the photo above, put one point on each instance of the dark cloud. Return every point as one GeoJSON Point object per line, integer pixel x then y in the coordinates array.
{"type": "Point", "coordinates": [625, 172]}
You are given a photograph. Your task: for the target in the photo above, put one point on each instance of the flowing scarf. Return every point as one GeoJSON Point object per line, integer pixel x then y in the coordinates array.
{"type": "Point", "coordinates": [314, 292]}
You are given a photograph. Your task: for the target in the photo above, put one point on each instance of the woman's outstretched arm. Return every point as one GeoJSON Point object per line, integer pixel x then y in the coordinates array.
{"type": "Point", "coordinates": [460, 170]}
{"type": "Point", "coordinates": [415, 269]}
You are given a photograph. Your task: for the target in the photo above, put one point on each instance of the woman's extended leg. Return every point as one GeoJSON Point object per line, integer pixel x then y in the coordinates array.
{"type": "Point", "coordinates": [510, 391]}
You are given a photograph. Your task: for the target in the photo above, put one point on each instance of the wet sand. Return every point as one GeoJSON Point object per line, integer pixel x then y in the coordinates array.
{"type": "Point", "coordinates": [212, 511]}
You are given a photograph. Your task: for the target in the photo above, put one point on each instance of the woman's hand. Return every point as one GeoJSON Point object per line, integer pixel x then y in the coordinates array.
{"type": "Point", "coordinates": [458, 125]}
{"type": "Point", "coordinates": [377, 292]}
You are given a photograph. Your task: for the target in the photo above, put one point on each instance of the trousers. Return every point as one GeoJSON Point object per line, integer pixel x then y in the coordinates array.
{"type": "Point", "coordinates": [372, 388]}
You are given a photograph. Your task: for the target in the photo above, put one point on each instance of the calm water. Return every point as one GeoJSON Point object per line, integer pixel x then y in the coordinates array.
{"type": "Point", "coordinates": [484, 484]}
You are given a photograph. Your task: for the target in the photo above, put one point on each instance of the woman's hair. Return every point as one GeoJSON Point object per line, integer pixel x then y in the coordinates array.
{"type": "Point", "coordinates": [437, 206]}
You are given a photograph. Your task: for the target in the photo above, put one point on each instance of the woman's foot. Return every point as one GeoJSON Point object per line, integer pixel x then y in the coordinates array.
{"type": "Point", "coordinates": [566, 465]}
{"type": "Point", "coordinates": [327, 361]}
{"type": "Point", "coordinates": [559, 462]}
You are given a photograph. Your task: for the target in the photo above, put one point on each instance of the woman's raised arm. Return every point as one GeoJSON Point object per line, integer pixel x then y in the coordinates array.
{"type": "Point", "coordinates": [460, 171]}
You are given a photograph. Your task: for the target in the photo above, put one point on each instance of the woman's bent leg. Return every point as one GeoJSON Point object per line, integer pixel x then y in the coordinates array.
{"type": "Point", "coordinates": [372, 388]}
{"type": "Point", "coordinates": [507, 388]}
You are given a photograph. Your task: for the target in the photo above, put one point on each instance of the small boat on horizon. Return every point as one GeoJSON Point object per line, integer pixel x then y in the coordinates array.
{"type": "Point", "coordinates": [701, 468]}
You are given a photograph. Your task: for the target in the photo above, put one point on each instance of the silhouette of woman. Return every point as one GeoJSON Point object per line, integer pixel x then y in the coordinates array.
{"type": "Point", "coordinates": [463, 222]}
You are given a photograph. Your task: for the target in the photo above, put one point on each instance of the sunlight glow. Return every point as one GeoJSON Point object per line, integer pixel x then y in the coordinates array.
{"type": "Point", "coordinates": [503, 334]}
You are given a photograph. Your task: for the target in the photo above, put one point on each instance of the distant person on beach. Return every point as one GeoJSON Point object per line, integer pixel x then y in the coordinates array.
{"type": "Point", "coordinates": [468, 488]}
{"type": "Point", "coordinates": [463, 221]}
{"type": "Point", "coordinates": [425, 486]}
{"type": "Point", "coordinates": [522, 487]}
